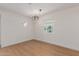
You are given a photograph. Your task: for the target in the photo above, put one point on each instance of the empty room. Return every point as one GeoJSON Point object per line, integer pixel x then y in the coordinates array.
{"type": "Point", "coordinates": [39, 29]}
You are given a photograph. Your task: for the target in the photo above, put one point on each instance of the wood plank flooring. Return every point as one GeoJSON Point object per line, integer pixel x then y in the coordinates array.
{"type": "Point", "coordinates": [36, 48]}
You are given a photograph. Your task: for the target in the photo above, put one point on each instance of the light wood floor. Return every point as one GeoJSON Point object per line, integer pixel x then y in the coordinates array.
{"type": "Point", "coordinates": [36, 48]}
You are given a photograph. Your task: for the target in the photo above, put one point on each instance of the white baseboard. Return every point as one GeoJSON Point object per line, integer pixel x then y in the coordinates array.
{"type": "Point", "coordinates": [13, 43]}
{"type": "Point", "coordinates": [57, 44]}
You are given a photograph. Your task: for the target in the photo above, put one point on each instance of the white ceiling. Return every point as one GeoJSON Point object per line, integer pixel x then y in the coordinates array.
{"type": "Point", "coordinates": [31, 9]}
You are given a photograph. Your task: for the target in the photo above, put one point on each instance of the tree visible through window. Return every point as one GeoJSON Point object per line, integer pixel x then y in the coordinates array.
{"type": "Point", "coordinates": [48, 27]}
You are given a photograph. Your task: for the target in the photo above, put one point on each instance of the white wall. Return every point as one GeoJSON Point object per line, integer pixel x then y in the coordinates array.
{"type": "Point", "coordinates": [66, 32]}
{"type": "Point", "coordinates": [13, 30]}
{"type": "Point", "coordinates": [0, 30]}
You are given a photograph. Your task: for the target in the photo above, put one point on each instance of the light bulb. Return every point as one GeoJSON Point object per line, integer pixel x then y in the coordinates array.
{"type": "Point", "coordinates": [25, 24]}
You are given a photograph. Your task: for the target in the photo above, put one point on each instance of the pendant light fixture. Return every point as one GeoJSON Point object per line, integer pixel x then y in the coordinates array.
{"type": "Point", "coordinates": [36, 17]}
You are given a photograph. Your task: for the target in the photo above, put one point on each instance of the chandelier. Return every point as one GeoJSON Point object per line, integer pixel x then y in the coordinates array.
{"type": "Point", "coordinates": [36, 17]}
